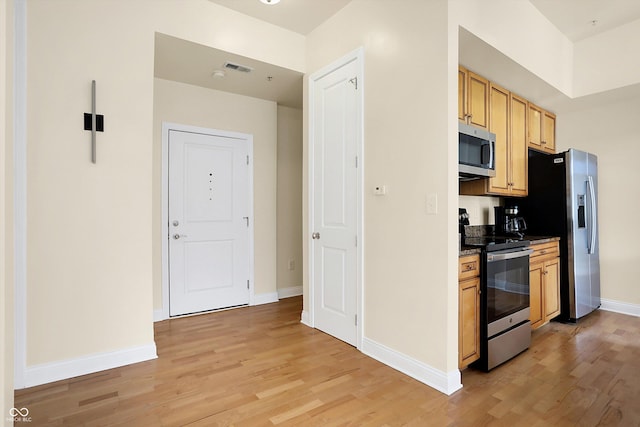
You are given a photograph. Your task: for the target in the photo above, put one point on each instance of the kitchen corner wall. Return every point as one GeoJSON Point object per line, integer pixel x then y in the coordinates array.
{"type": "Point", "coordinates": [196, 106]}
{"type": "Point", "coordinates": [610, 130]}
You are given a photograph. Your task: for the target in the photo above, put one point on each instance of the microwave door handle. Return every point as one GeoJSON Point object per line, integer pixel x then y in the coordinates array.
{"type": "Point", "coordinates": [491, 158]}
{"type": "Point", "coordinates": [484, 160]}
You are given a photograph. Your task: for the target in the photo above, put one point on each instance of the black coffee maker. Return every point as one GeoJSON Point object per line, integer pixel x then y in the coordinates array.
{"type": "Point", "coordinates": [463, 219]}
{"type": "Point", "coordinates": [508, 222]}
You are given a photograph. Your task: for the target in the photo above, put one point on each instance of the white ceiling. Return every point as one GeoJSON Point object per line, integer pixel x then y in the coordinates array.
{"type": "Point", "coordinates": [301, 16]}
{"type": "Point", "coordinates": [574, 18]}
{"type": "Point", "coordinates": [191, 63]}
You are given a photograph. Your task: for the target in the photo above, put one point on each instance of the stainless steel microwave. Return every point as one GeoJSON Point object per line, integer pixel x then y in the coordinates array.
{"type": "Point", "coordinates": [476, 152]}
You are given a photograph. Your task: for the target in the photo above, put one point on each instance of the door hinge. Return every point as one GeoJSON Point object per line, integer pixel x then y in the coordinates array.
{"type": "Point", "coordinates": [247, 160]}
{"type": "Point", "coordinates": [246, 218]}
{"type": "Point", "coordinates": [356, 240]}
{"type": "Point", "coordinates": [247, 284]}
{"type": "Point", "coordinates": [354, 81]}
{"type": "Point", "coordinates": [356, 161]}
{"type": "Point", "coordinates": [356, 319]}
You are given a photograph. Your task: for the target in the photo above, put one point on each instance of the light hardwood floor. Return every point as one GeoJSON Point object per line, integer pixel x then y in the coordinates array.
{"type": "Point", "coordinates": [259, 366]}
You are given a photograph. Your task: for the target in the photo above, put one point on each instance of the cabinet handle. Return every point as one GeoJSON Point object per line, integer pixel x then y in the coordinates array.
{"type": "Point", "coordinates": [542, 252]}
{"type": "Point", "coordinates": [543, 142]}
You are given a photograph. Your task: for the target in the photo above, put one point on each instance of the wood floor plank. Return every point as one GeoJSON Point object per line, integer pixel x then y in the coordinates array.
{"type": "Point", "coordinates": [259, 366]}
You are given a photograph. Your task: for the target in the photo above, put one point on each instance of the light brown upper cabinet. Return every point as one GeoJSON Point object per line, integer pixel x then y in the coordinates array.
{"type": "Point", "coordinates": [473, 98]}
{"type": "Point", "coordinates": [542, 129]}
{"type": "Point", "coordinates": [519, 161]}
{"type": "Point", "coordinates": [508, 121]}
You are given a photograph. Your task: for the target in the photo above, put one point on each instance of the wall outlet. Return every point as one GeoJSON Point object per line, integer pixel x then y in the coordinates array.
{"type": "Point", "coordinates": [292, 264]}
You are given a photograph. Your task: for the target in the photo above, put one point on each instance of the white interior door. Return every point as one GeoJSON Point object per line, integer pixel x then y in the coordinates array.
{"type": "Point", "coordinates": [334, 193]}
{"type": "Point", "coordinates": [208, 222]}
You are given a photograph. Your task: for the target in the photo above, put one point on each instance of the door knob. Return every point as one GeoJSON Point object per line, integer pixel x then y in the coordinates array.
{"type": "Point", "coordinates": [177, 236]}
{"type": "Point", "coordinates": [315, 235]}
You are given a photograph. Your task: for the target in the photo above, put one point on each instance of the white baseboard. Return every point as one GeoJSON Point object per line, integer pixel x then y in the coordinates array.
{"type": "Point", "coordinates": [620, 307]}
{"type": "Point", "coordinates": [62, 370]}
{"type": "Point", "coordinates": [267, 298]}
{"type": "Point", "coordinates": [158, 315]}
{"type": "Point", "coordinates": [305, 320]}
{"type": "Point", "coordinates": [444, 382]}
{"type": "Point", "coordinates": [292, 291]}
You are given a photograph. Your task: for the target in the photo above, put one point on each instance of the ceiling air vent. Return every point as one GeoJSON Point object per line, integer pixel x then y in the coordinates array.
{"type": "Point", "coordinates": [237, 67]}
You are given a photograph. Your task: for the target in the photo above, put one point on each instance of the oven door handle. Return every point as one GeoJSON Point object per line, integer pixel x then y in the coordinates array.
{"type": "Point", "coordinates": [492, 257]}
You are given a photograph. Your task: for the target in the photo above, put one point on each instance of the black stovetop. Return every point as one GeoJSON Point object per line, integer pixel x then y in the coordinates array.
{"type": "Point", "coordinates": [495, 243]}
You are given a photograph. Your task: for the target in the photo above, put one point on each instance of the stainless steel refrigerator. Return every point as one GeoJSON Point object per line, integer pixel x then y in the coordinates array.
{"type": "Point", "coordinates": [563, 201]}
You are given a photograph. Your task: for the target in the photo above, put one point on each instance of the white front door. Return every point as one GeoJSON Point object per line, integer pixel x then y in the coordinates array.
{"type": "Point", "coordinates": [334, 193]}
{"type": "Point", "coordinates": [208, 222]}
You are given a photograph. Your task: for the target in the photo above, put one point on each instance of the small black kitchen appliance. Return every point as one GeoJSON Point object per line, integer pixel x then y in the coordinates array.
{"type": "Point", "coordinates": [508, 222]}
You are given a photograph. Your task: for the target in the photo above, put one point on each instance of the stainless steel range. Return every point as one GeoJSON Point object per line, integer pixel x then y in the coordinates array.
{"type": "Point", "coordinates": [505, 329]}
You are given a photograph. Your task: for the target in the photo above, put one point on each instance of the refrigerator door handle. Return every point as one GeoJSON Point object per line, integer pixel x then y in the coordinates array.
{"type": "Point", "coordinates": [592, 225]}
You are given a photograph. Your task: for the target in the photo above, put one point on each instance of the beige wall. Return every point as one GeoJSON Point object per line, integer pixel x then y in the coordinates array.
{"type": "Point", "coordinates": [607, 60]}
{"type": "Point", "coordinates": [191, 105]}
{"type": "Point", "coordinates": [89, 230]}
{"type": "Point", "coordinates": [6, 210]}
{"type": "Point", "coordinates": [521, 32]}
{"type": "Point", "coordinates": [610, 131]}
{"type": "Point", "coordinates": [289, 210]}
{"type": "Point", "coordinates": [480, 209]}
{"type": "Point", "coordinates": [409, 270]}
{"type": "Point", "coordinates": [90, 227]}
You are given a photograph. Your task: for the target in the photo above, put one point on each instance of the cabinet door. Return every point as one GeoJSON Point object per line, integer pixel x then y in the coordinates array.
{"type": "Point", "coordinates": [518, 146]}
{"type": "Point", "coordinates": [536, 278]}
{"type": "Point", "coordinates": [551, 288]}
{"type": "Point", "coordinates": [499, 124]}
{"type": "Point", "coordinates": [469, 322]}
{"type": "Point", "coordinates": [549, 132]}
{"type": "Point", "coordinates": [535, 127]}
{"type": "Point", "coordinates": [462, 94]}
{"type": "Point", "coordinates": [478, 100]}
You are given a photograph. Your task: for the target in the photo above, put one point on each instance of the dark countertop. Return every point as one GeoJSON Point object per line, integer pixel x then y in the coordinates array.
{"type": "Point", "coordinates": [467, 250]}
{"type": "Point", "coordinates": [534, 240]}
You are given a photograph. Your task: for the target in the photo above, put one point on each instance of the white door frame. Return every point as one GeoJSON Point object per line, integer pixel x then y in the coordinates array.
{"type": "Point", "coordinates": [358, 56]}
{"type": "Point", "coordinates": [166, 127]}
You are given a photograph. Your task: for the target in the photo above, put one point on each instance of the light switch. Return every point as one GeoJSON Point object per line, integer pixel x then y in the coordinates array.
{"type": "Point", "coordinates": [432, 204]}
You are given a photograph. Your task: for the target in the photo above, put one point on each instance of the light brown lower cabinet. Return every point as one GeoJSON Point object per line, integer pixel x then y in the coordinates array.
{"type": "Point", "coordinates": [468, 310]}
{"type": "Point", "coordinates": [544, 283]}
